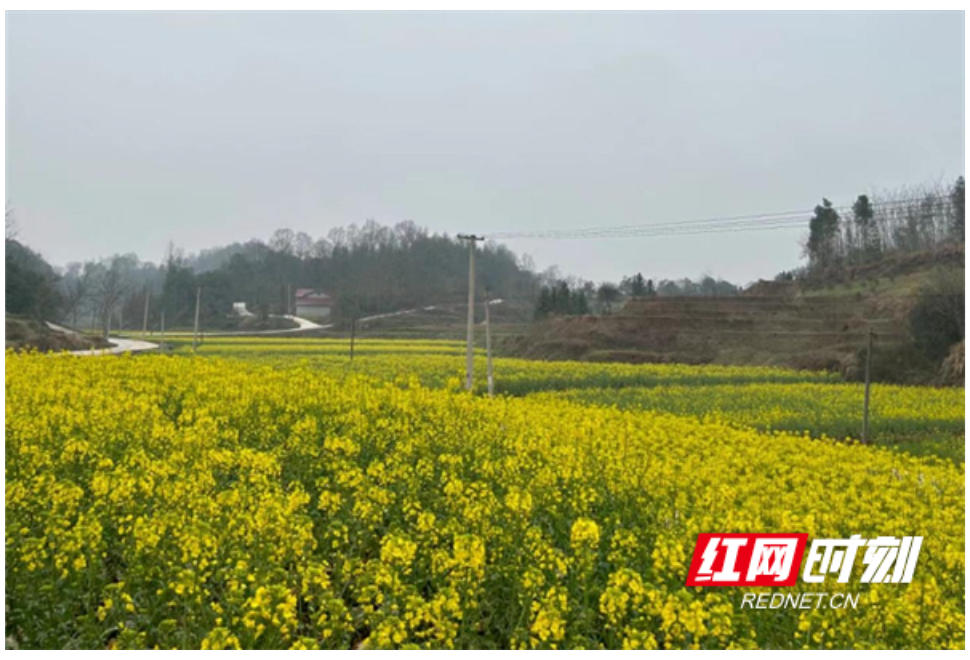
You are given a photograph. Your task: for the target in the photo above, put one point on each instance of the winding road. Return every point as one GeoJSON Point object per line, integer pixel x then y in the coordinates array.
{"type": "Point", "coordinates": [118, 345]}
{"type": "Point", "coordinates": [302, 326]}
{"type": "Point", "coordinates": [121, 345]}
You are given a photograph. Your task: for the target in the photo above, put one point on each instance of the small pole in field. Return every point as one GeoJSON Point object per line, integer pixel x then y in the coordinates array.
{"type": "Point", "coordinates": [195, 330]}
{"type": "Point", "coordinates": [488, 346]}
{"type": "Point", "coordinates": [865, 410]}
{"type": "Point", "coordinates": [144, 325]}
{"type": "Point", "coordinates": [162, 343]}
{"type": "Point", "coordinates": [470, 348]}
{"type": "Point", "coordinates": [353, 332]}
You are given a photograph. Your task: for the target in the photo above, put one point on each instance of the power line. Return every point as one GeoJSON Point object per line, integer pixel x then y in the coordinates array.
{"type": "Point", "coordinates": [756, 222]}
{"type": "Point", "coordinates": [657, 226]}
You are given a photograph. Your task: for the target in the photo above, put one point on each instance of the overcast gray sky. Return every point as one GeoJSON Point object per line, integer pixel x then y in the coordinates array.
{"type": "Point", "coordinates": [127, 130]}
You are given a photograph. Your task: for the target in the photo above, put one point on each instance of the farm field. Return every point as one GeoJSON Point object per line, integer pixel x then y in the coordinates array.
{"type": "Point", "coordinates": [268, 493]}
{"type": "Point", "coordinates": [919, 420]}
{"type": "Point", "coordinates": [442, 364]}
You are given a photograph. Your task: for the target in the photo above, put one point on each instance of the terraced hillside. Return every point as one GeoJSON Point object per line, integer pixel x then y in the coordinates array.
{"type": "Point", "coordinates": [811, 332]}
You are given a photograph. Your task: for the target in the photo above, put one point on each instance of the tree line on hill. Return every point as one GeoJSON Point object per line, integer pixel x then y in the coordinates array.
{"type": "Point", "coordinates": [563, 297]}
{"type": "Point", "coordinates": [373, 268]}
{"type": "Point", "coordinates": [31, 286]}
{"type": "Point", "coordinates": [366, 269]}
{"type": "Point", "coordinates": [882, 226]}
{"type": "Point", "coordinates": [906, 220]}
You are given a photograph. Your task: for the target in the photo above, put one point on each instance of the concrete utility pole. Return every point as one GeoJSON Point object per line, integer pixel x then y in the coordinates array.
{"type": "Point", "coordinates": [144, 325]}
{"type": "Point", "coordinates": [353, 334]}
{"type": "Point", "coordinates": [470, 348]}
{"type": "Point", "coordinates": [488, 346]}
{"type": "Point", "coordinates": [195, 330]}
{"type": "Point", "coordinates": [865, 409]}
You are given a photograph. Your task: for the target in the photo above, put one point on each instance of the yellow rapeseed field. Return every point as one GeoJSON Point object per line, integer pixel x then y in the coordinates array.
{"type": "Point", "coordinates": [921, 419]}
{"type": "Point", "coordinates": [442, 363]}
{"type": "Point", "coordinates": [210, 502]}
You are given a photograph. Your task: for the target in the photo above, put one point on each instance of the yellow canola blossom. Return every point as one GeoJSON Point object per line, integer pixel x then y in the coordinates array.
{"type": "Point", "coordinates": [219, 503]}
{"type": "Point", "coordinates": [922, 419]}
{"type": "Point", "coordinates": [440, 363]}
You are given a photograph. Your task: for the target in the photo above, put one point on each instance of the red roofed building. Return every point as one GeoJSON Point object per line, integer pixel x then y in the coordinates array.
{"type": "Point", "coordinates": [313, 304]}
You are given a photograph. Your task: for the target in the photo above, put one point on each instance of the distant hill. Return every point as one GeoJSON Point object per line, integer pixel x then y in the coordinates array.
{"type": "Point", "coordinates": [895, 275]}
{"type": "Point", "coordinates": [31, 284]}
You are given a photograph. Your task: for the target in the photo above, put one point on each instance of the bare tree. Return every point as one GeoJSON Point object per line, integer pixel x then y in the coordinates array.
{"type": "Point", "coordinates": [174, 255]}
{"type": "Point", "coordinates": [12, 230]}
{"type": "Point", "coordinates": [76, 288]}
{"type": "Point", "coordinates": [955, 221]}
{"type": "Point", "coordinates": [111, 285]}
{"type": "Point", "coordinates": [283, 240]}
{"type": "Point", "coordinates": [906, 219]}
{"type": "Point", "coordinates": [303, 245]}
{"type": "Point", "coordinates": [606, 295]}
{"type": "Point", "coordinates": [322, 248]}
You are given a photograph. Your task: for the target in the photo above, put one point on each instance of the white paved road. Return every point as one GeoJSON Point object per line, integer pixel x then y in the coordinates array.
{"type": "Point", "coordinates": [430, 308]}
{"type": "Point", "coordinates": [302, 326]}
{"type": "Point", "coordinates": [118, 345]}
{"type": "Point", "coordinates": [121, 345]}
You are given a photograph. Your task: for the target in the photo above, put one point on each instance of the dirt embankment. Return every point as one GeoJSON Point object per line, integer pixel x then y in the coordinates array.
{"type": "Point", "coordinates": [780, 324]}
{"type": "Point", "coordinates": [805, 333]}
{"type": "Point", "coordinates": [952, 372]}
{"type": "Point", "coordinates": [891, 267]}
{"type": "Point", "coordinates": [23, 334]}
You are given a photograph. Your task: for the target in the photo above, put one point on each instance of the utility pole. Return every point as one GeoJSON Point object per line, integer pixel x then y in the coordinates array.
{"type": "Point", "coordinates": [289, 304]}
{"type": "Point", "coordinates": [162, 341]}
{"type": "Point", "coordinates": [865, 409]}
{"type": "Point", "coordinates": [195, 330]}
{"type": "Point", "coordinates": [353, 333]}
{"type": "Point", "coordinates": [488, 346]}
{"type": "Point", "coordinates": [470, 348]}
{"type": "Point", "coordinates": [144, 325]}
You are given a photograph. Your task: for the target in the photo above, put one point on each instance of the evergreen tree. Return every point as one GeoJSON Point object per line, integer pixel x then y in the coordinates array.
{"type": "Point", "coordinates": [638, 287]}
{"type": "Point", "coordinates": [823, 235]}
{"type": "Point", "coordinates": [579, 306]}
{"type": "Point", "coordinates": [544, 304]}
{"type": "Point", "coordinates": [863, 214]}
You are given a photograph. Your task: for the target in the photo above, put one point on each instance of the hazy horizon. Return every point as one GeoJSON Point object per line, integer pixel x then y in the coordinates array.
{"type": "Point", "coordinates": [129, 130]}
